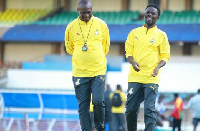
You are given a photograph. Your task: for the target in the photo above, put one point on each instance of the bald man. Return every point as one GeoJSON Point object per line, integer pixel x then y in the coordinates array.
{"type": "Point", "coordinates": [87, 40]}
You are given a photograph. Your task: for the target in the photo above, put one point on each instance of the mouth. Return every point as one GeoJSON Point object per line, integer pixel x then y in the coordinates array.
{"type": "Point", "coordinates": [149, 19]}
{"type": "Point", "coordinates": [86, 19]}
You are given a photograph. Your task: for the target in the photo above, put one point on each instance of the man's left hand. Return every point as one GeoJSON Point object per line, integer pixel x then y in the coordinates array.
{"type": "Point", "coordinates": [155, 72]}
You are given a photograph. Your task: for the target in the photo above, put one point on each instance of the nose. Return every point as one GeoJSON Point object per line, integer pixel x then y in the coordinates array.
{"type": "Point", "coordinates": [86, 15]}
{"type": "Point", "coordinates": [149, 14]}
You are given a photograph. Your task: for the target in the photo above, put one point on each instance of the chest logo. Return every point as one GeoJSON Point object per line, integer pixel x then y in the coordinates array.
{"type": "Point", "coordinates": [136, 37]}
{"type": "Point", "coordinates": [78, 33]}
{"type": "Point", "coordinates": [96, 32]}
{"type": "Point", "coordinates": [152, 41]}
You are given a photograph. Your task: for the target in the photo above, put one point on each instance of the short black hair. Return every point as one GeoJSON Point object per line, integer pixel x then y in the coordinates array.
{"type": "Point", "coordinates": [155, 6]}
{"type": "Point", "coordinates": [119, 87]}
{"type": "Point", "coordinates": [175, 94]}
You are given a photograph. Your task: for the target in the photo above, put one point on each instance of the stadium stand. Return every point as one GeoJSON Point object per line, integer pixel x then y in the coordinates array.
{"type": "Point", "coordinates": [21, 16]}
{"type": "Point", "coordinates": [51, 62]}
{"type": "Point", "coordinates": [126, 17]}
{"type": "Point", "coordinates": [121, 17]}
{"type": "Point", "coordinates": [55, 33]}
{"type": "Point", "coordinates": [63, 63]}
{"type": "Point", "coordinates": [179, 17]}
{"type": "Point", "coordinates": [18, 104]}
{"type": "Point", "coordinates": [38, 105]}
{"type": "Point", "coordinates": [53, 111]}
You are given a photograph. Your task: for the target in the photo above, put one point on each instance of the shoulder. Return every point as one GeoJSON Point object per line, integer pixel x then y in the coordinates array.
{"type": "Point", "coordinates": [161, 32]}
{"type": "Point", "coordinates": [122, 93]}
{"type": "Point", "coordinates": [71, 24]}
{"type": "Point", "coordinates": [96, 19]}
{"type": "Point", "coordinates": [196, 97]}
{"type": "Point", "coordinates": [138, 29]}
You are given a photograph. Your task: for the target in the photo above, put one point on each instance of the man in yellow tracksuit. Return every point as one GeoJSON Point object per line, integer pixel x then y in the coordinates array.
{"type": "Point", "coordinates": [87, 40]}
{"type": "Point", "coordinates": [147, 50]}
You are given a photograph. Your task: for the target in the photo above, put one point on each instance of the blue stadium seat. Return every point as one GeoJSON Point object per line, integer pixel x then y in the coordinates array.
{"type": "Point", "coordinates": [39, 106]}
{"type": "Point", "coordinates": [18, 105]}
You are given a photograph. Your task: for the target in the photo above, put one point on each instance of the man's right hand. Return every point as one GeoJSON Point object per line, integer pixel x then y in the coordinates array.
{"type": "Point", "coordinates": [135, 66]}
{"type": "Point", "coordinates": [133, 63]}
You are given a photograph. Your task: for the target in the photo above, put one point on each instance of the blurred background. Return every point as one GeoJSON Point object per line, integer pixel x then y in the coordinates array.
{"type": "Point", "coordinates": [36, 72]}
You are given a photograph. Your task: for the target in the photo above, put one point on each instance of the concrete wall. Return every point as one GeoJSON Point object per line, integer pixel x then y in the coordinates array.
{"type": "Point", "coordinates": [139, 5]}
{"type": "Point", "coordinates": [29, 4]}
{"type": "Point", "coordinates": [176, 5]}
{"type": "Point", "coordinates": [37, 79]}
{"type": "Point", "coordinates": [100, 5]}
{"type": "Point", "coordinates": [196, 50]}
{"type": "Point", "coordinates": [107, 5]}
{"type": "Point", "coordinates": [176, 50]}
{"type": "Point", "coordinates": [26, 52]}
{"type": "Point", "coordinates": [196, 4]}
{"type": "Point", "coordinates": [113, 5]}
{"type": "Point", "coordinates": [181, 74]}
{"type": "Point", "coordinates": [36, 51]}
{"type": "Point", "coordinates": [114, 50]}
{"type": "Point", "coordinates": [3, 30]}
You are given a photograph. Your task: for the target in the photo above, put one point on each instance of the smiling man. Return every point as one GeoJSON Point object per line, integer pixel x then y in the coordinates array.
{"type": "Point", "coordinates": [87, 40]}
{"type": "Point", "coordinates": [147, 50]}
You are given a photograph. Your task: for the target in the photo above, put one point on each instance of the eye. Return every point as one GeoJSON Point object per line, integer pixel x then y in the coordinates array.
{"type": "Point", "coordinates": [82, 12]}
{"type": "Point", "coordinates": [153, 13]}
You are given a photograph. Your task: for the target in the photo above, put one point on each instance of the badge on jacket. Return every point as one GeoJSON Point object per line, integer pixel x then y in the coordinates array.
{"type": "Point", "coordinates": [96, 32]}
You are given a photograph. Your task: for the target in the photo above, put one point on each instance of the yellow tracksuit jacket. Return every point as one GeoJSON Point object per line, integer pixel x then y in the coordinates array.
{"type": "Point", "coordinates": [95, 32]}
{"type": "Point", "coordinates": [148, 48]}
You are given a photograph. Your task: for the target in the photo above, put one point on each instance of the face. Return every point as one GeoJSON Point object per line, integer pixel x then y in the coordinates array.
{"type": "Point", "coordinates": [151, 16]}
{"type": "Point", "coordinates": [85, 12]}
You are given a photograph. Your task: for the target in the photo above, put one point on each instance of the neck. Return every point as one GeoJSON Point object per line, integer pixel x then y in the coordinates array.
{"type": "Point", "coordinates": [149, 26]}
{"type": "Point", "coordinates": [84, 21]}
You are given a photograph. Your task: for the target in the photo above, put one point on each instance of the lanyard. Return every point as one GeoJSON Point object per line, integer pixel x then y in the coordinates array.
{"type": "Point", "coordinates": [85, 41]}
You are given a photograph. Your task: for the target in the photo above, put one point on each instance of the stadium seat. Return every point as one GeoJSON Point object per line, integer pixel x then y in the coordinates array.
{"type": "Point", "coordinates": [30, 16]}
{"type": "Point", "coordinates": [121, 17]}
{"type": "Point", "coordinates": [18, 105]}
{"type": "Point", "coordinates": [21, 16]}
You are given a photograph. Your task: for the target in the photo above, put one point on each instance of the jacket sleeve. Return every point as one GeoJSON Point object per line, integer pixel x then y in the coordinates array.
{"type": "Point", "coordinates": [129, 44]}
{"type": "Point", "coordinates": [68, 40]}
{"type": "Point", "coordinates": [165, 49]}
{"type": "Point", "coordinates": [106, 40]}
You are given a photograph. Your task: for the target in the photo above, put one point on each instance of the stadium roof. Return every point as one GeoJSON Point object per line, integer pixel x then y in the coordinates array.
{"type": "Point", "coordinates": [118, 33]}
